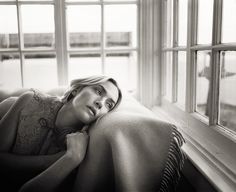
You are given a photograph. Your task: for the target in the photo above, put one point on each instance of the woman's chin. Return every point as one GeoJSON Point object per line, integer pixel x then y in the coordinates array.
{"type": "Point", "coordinates": [86, 118]}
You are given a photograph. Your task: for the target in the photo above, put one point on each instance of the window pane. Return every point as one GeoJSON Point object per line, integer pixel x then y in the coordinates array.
{"type": "Point", "coordinates": [205, 21]}
{"type": "Point", "coordinates": [119, 0]}
{"type": "Point", "coordinates": [83, 65]}
{"type": "Point", "coordinates": [181, 76]}
{"type": "Point", "coordinates": [168, 75]}
{"type": "Point", "coordinates": [38, 28]}
{"type": "Point", "coordinates": [121, 25]}
{"type": "Point", "coordinates": [227, 90]}
{"type": "Point", "coordinates": [203, 81]}
{"type": "Point", "coordinates": [35, 0]}
{"type": "Point", "coordinates": [182, 21]}
{"type": "Point", "coordinates": [169, 24]}
{"type": "Point", "coordinates": [123, 67]}
{"type": "Point", "coordinates": [40, 70]}
{"type": "Point", "coordinates": [84, 29]}
{"type": "Point", "coordinates": [82, 0]}
{"type": "Point", "coordinates": [10, 71]}
{"type": "Point", "coordinates": [8, 29]}
{"type": "Point", "coordinates": [229, 21]}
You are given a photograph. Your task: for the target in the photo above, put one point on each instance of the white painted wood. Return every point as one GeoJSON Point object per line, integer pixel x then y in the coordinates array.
{"type": "Point", "coordinates": [61, 42]}
{"type": "Point", "coordinates": [210, 147]}
{"type": "Point", "coordinates": [150, 44]}
{"type": "Point", "coordinates": [212, 152]}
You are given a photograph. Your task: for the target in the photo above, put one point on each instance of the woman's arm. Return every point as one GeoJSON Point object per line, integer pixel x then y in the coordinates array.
{"type": "Point", "coordinates": [6, 104]}
{"type": "Point", "coordinates": [16, 170]}
{"type": "Point", "coordinates": [10, 162]}
{"type": "Point", "coordinates": [8, 123]}
{"type": "Point", "coordinates": [52, 177]}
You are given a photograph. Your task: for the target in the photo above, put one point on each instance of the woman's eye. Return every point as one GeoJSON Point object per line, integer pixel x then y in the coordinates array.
{"type": "Point", "coordinates": [99, 92]}
{"type": "Point", "coordinates": [109, 106]}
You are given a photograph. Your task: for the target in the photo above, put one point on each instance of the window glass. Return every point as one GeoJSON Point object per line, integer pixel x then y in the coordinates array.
{"type": "Point", "coordinates": [83, 65]}
{"type": "Point", "coordinates": [38, 25]}
{"type": "Point", "coordinates": [229, 21]}
{"type": "Point", "coordinates": [182, 21]}
{"type": "Point", "coordinates": [203, 82]}
{"type": "Point", "coordinates": [40, 70]}
{"type": "Point", "coordinates": [169, 23]}
{"type": "Point", "coordinates": [181, 78]}
{"type": "Point", "coordinates": [119, 0]}
{"type": "Point", "coordinates": [84, 29]}
{"type": "Point", "coordinates": [10, 71]}
{"type": "Point", "coordinates": [123, 67]}
{"type": "Point", "coordinates": [8, 27]}
{"type": "Point", "coordinates": [168, 75]}
{"type": "Point", "coordinates": [227, 90]}
{"type": "Point", "coordinates": [35, 0]}
{"type": "Point", "coordinates": [82, 0]}
{"type": "Point", "coordinates": [121, 25]}
{"type": "Point", "coordinates": [205, 21]}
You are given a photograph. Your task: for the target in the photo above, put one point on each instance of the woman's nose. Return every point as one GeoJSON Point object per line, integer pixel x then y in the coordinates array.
{"type": "Point", "coordinates": [98, 104]}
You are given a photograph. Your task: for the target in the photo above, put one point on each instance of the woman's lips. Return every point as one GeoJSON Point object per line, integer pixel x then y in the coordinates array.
{"type": "Point", "coordinates": [92, 110]}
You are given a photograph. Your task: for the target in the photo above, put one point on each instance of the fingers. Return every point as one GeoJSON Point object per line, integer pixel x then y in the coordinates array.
{"type": "Point", "coordinates": [77, 145]}
{"type": "Point", "coordinates": [85, 129]}
{"type": "Point", "coordinates": [77, 136]}
{"type": "Point", "coordinates": [77, 133]}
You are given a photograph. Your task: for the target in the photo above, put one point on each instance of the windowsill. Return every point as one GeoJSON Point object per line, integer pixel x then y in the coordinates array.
{"type": "Point", "coordinates": [210, 149]}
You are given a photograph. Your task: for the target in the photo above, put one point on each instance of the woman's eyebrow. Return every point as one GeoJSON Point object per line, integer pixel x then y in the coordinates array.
{"type": "Point", "coordinates": [103, 89]}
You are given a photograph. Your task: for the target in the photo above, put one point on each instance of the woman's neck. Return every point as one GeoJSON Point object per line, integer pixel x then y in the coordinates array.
{"type": "Point", "coordinates": [66, 118]}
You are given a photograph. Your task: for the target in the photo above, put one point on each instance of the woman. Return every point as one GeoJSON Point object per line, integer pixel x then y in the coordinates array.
{"type": "Point", "coordinates": [37, 124]}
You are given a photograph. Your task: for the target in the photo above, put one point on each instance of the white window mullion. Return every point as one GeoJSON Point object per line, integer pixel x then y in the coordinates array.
{"type": "Point", "coordinates": [191, 65]}
{"type": "Point", "coordinates": [163, 45]}
{"type": "Point", "coordinates": [156, 72]}
{"type": "Point", "coordinates": [215, 62]}
{"type": "Point", "coordinates": [61, 42]}
{"type": "Point", "coordinates": [21, 42]}
{"type": "Point", "coordinates": [175, 53]}
{"type": "Point", "coordinates": [103, 38]}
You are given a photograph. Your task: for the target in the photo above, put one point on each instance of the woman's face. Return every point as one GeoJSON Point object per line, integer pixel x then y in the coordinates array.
{"type": "Point", "coordinates": [95, 101]}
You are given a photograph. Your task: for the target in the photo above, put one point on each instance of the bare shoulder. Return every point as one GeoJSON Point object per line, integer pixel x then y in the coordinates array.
{"type": "Point", "coordinates": [6, 104]}
{"type": "Point", "coordinates": [8, 101]}
{"type": "Point", "coordinates": [15, 102]}
{"type": "Point", "coordinates": [25, 98]}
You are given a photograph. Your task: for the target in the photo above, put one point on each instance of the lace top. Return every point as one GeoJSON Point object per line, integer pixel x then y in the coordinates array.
{"type": "Point", "coordinates": [37, 134]}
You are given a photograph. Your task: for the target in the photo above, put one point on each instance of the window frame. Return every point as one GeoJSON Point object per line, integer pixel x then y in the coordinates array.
{"type": "Point", "coordinates": [102, 50]}
{"type": "Point", "coordinates": [61, 48]}
{"type": "Point", "coordinates": [209, 145]}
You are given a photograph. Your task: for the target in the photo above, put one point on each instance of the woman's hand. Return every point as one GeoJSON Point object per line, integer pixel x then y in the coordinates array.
{"type": "Point", "coordinates": [50, 179]}
{"type": "Point", "coordinates": [76, 146]}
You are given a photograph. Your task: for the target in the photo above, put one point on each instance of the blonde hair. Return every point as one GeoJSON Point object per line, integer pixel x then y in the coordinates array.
{"type": "Point", "coordinates": [79, 84]}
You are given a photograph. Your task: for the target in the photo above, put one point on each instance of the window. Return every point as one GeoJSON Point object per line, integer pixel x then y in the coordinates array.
{"type": "Point", "coordinates": [199, 62]}
{"type": "Point", "coordinates": [104, 42]}
{"type": "Point", "coordinates": [67, 41]}
{"type": "Point", "coordinates": [227, 100]}
{"type": "Point", "coordinates": [206, 54]}
{"type": "Point", "coordinates": [175, 51]}
{"type": "Point", "coordinates": [27, 44]}
{"type": "Point", "coordinates": [203, 76]}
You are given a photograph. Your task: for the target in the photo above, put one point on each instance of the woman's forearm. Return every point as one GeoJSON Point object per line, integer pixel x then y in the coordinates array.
{"type": "Point", "coordinates": [21, 163]}
{"type": "Point", "coordinates": [50, 179]}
